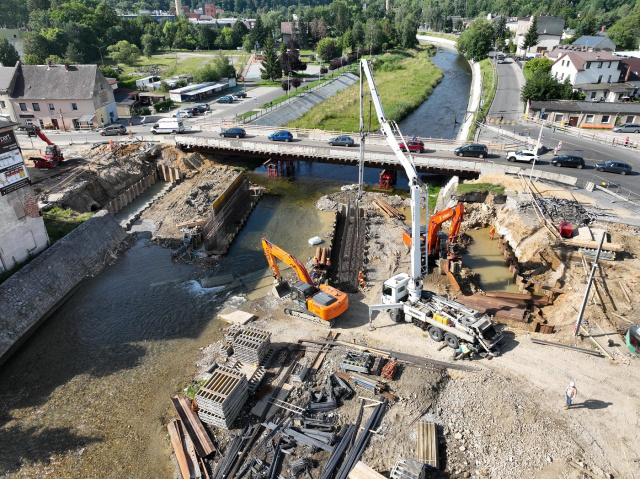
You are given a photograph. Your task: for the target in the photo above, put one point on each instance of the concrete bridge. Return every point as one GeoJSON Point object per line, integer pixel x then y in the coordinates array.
{"type": "Point", "coordinates": [311, 145]}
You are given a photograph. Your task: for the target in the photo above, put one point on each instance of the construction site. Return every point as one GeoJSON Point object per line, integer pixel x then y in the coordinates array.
{"type": "Point", "coordinates": [378, 352]}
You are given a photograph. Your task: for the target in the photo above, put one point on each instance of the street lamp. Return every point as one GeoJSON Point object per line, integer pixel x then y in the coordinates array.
{"type": "Point", "coordinates": [320, 72]}
{"type": "Point", "coordinates": [100, 50]}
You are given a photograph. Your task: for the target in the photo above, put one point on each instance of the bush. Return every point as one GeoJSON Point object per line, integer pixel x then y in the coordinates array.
{"type": "Point", "coordinates": [324, 70]}
{"type": "Point", "coordinates": [144, 111]}
{"type": "Point", "coordinates": [163, 106]}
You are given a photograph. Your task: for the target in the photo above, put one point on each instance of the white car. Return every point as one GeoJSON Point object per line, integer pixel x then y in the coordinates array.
{"type": "Point", "coordinates": [526, 156]}
{"type": "Point", "coordinates": [183, 114]}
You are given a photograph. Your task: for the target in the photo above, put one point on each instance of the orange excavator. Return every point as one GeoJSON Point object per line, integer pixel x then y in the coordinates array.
{"type": "Point", "coordinates": [438, 245]}
{"type": "Point", "coordinates": [321, 304]}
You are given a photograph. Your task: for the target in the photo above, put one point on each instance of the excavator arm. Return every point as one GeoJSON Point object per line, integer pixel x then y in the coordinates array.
{"type": "Point", "coordinates": [455, 215]}
{"type": "Point", "coordinates": [273, 252]}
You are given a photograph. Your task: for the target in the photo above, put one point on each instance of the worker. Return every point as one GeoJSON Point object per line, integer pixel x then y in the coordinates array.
{"type": "Point", "coordinates": [144, 120]}
{"type": "Point", "coordinates": [492, 232]}
{"type": "Point", "coordinates": [626, 141]}
{"type": "Point", "coordinates": [462, 353]}
{"type": "Point", "coordinates": [572, 394]}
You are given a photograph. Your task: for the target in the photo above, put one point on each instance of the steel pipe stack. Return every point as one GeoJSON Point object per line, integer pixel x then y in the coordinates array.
{"type": "Point", "coordinates": [221, 398]}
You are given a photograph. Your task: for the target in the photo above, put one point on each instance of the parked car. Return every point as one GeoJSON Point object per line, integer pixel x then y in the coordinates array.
{"type": "Point", "coordinates": [627, 128]}
{"type": "Point", "coordinates": [571, 161]}
{"type": "Point", "coordinates": [614, 167]}
{"type": "Point", "coordinates": [526, 156]}
{"type": "Point", "coordinates": [203, 107]}
{"type": "Point", "coordinates": [225, 99]}
{"type": "Point", "coordinates": [233, 133]}
{"type": "Point", "coordinates": [183, 114]}
{"type": "Point", "coordinates": [472, 149]}
{"type": "Point", "coordinates": [413, 145]}
{"type": "Point", "coordinates": [193, 109]}
{"type": "Point", "coordinates": [342, 141]}
{"type": "Point", "coordinates": [281, 136]}
{"type": "Point", "coordinates": [240, 94]}
{"type": "Point", "coordinates": [113, 130]}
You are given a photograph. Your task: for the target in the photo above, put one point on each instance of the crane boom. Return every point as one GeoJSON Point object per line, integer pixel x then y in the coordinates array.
{"type": "Point", "coordinates": [415, 185]}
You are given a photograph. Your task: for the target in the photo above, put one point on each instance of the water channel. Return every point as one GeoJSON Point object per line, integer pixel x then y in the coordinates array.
{"type": "Point", "coordinates": [88, 395]}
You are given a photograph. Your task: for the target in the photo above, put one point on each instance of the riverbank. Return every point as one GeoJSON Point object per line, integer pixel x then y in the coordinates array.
{"type": "Point", "coordinates": [474, 94]}
{"type": "Point", "coordinates": [404, 80]}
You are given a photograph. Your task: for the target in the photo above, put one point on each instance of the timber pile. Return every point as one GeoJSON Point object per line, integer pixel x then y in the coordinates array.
{"type": "Point", "coordinates": [387, 209]}
{"type": "Point", "coordinates": [221, 398]}
{"type": "Point", "coordinates": [427, 447]}
{"type": "Point", "coordinates": [521, 298]}
{"type": "Point", "coordinates": [497, 307]}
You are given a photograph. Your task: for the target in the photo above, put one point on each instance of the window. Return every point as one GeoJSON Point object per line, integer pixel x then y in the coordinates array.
{"type": "Point", "coordinates": [609, 79]}
{"type": "Point", "coordinates": [606, 118]}
{"type": "Point", "coordinates": [23, 107]}
{"type": "Point", "coordinates": [629, 119]}
{"type": "Point", "coordinates": [562, 76]}
{"type": "Point", "coordinates": [558, 118]}
{"type": "Point", "coordinates": [593, 95]}
{"type": "Point", "coordinates": [599, 64]}
{"type": "Point", "coordinates": [74, 106]}
{"type": "Point", "coordinates": [587, 65]}
{"type": "Point", "coordinates": [41, 123]}
{"type": "Point", "coordinates": [609, 65]}
{"type": "Point", "coordinates": [588, 119]}
{"type": "Point", "coordinates": [599, 79]}
{"type": "Point", "coordinates": [36, 106]}
{"type": "Point", "coordinates": [51, 107]}
{"type": "Point", "coordinates": [2, 104]}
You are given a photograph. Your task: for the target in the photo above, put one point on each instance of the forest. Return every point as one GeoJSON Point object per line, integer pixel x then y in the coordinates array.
{"type": "Point", "coordinates": [84, 31]}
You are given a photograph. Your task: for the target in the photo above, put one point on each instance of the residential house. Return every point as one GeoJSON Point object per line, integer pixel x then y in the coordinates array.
{"type": "Point", "coordinates": [594, 73]}
{"type": "Point", "coordinates": [22, 231]}
{"type": "Point", "coordinates": [568, 33]}
{"type": "Point", "coordinates": [7, 81]}
{"type": "Point", "coordinates": [126, 100]}
{"type": "Point", "coordinates": [549, 34]}
{"type": "Point", "coordinates": [63, 96]}
{"type": "Point", "coordinates": [630, 73]}
{"type": "Point", "coordinates": [286, 31]}
{"type": "Point", "coordinates": [595, 43]}
{"type": "Point", "coordinates": [585, 114]}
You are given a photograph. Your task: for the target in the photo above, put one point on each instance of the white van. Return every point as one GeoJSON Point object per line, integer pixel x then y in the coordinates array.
{"type": "Point", "coordinates": [168, 125]}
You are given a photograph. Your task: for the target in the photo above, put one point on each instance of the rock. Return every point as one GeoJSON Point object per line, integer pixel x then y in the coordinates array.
{"type": "Point", "coordinates": [462, 448]}
{"type": "Point", "coordinates": [458, 436]}
{"type": "Point", "coordinates": [466, 474]}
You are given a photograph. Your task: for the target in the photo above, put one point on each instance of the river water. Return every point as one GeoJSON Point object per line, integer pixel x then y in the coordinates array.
{"type": "Point", "coordinates": [88, 394]}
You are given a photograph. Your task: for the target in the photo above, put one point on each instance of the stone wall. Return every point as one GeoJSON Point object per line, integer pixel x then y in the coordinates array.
{"type": "Point", "coordinates": [31, 294]}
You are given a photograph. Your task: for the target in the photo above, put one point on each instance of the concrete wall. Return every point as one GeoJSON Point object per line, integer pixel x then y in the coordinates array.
{"type": "Point", "coordinates": [30, 295]}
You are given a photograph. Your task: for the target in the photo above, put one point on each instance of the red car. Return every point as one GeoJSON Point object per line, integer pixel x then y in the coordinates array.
{"type": "Point", "coordinates": [414, 145]}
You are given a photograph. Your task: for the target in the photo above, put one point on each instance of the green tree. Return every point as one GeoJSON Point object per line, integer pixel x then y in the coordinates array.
{"type": "Point", "coordinates": [271, 69]}
{"type": "Point", "coordinates": [357, 34]}
{"type": "Point", "coordinates": [347, 41]}
{"type": "Point", "coordinates": [258, 33]}
{"type": "Point", "coordinates": [531, 37]}
{"type": "Point", "coordinates": [588, 25]}
{"type": "Point", "coordinates": [207, 73]}
{"type": "Point", "coordinates": [406, 26]}
{"type": "Point", "coordinates": [625, 32]}
{"type": "Point", "coordinates": [223, 66]}
{"type": "Point", "coordinates": [537, 65]}
{"type": "Point", "coordinates": [124, 52]}
{"type": "Point", "coordinates": [36, 47]}
{"type": "Point", "coordinates": [8, 53]}
{"type": "Point", "coordinates": [458, 25]}
{"type": "Point", "coordinates": [73, 55]}
{"type": "Point", "coordinates": [475, 42]}
{"type": "Point", "coordinates": [319, 29]}
{"type": "Point", "coordinates": [542, 86]}
{"type": "Point", "coordinates": [327, 49]}
{"type": "Point", "coordinates": [150, 44]}
{"type": "Point", "coordinates": [500, 28]}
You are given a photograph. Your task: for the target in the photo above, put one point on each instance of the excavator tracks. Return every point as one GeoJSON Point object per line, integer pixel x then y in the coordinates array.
{"type": "Point", "coordinates": [310, 318]}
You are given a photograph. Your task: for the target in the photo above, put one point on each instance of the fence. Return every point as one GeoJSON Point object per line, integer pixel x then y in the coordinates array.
{"type": "Point", "coordinates": [631, 199]}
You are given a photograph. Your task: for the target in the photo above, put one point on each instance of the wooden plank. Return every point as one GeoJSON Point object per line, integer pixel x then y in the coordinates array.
{"type": "Point", "coordinates": [176, 442]}
{"type": "Point", "coordinates": [195, 429]}
{"type": "Point", "coordinates": [194, 466]}
{"type": "Point", "coordinates": [427, 443]}
{"type": "Point", "coordinates": [594, 245]}
{"type": "Point", "coordinates": [362, 471]}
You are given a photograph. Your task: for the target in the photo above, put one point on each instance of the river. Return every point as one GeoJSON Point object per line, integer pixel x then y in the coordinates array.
{"type": "Point", "coordinates": [88, 394]}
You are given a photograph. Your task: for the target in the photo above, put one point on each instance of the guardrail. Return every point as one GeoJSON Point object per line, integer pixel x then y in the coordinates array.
{"type": "Point", "coordinates": [610, 140]}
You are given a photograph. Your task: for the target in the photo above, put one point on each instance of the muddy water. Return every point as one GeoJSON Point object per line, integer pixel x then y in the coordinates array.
{"type": "Point", "coordinates": [485, 259]}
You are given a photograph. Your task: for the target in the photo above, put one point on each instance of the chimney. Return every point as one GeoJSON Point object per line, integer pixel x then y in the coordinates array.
{"type": "Point", "coordinates": [602, 28]}
{"type": "Point", "coordinates": [626, 77]}
{"type": "Point", "coordinates": [48, 64]}
{"type": "Point", "coordinates": [66, 66]}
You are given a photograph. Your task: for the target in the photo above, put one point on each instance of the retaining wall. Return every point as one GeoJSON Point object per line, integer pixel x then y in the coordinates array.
{"type": "Point", "coordinates": [33, 293]}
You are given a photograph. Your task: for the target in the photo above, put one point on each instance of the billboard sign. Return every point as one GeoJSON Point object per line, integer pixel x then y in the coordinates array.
{"type": "Point", "coordinates": [13, 172]}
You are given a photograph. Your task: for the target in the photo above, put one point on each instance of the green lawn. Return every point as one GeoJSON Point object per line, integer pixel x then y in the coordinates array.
{"type": "Point", "coordinates": [60, 223]}
{"type": "Point", "coordinates": [469, 187]}
{"type": "Point", "coordinates": [404, 79]}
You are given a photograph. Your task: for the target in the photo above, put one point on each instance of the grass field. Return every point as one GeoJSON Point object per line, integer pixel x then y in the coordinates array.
{"type": "Point", "coordinates": [404, 79]}
{"type": "Point", "coordinates": [61, 222]}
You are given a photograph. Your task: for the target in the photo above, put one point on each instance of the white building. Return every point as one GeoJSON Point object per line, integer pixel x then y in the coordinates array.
{"type": "Point", "coordinates": [22, 230]}
{"type": "Point", "coordinates": [549, 34]}
{"type": "Point", "coordinates": [594, 73]}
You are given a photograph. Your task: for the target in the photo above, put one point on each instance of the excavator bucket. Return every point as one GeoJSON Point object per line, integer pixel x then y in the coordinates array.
{"type": "Point", "coordinates": [282, 289]}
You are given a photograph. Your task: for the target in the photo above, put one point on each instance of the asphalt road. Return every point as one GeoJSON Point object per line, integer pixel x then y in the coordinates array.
{"type": "Point", "coordinates": [507, 104]}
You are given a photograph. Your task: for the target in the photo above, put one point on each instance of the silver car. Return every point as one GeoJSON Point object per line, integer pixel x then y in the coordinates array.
{"type": "Point", "coordinates": [627, 128]}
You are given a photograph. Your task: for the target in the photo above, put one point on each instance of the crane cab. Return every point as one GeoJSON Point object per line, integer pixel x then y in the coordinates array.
{"type": "Point", "coordinates": [327, 303]}
{"type": "Point", "coordinates": [395, 289]}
